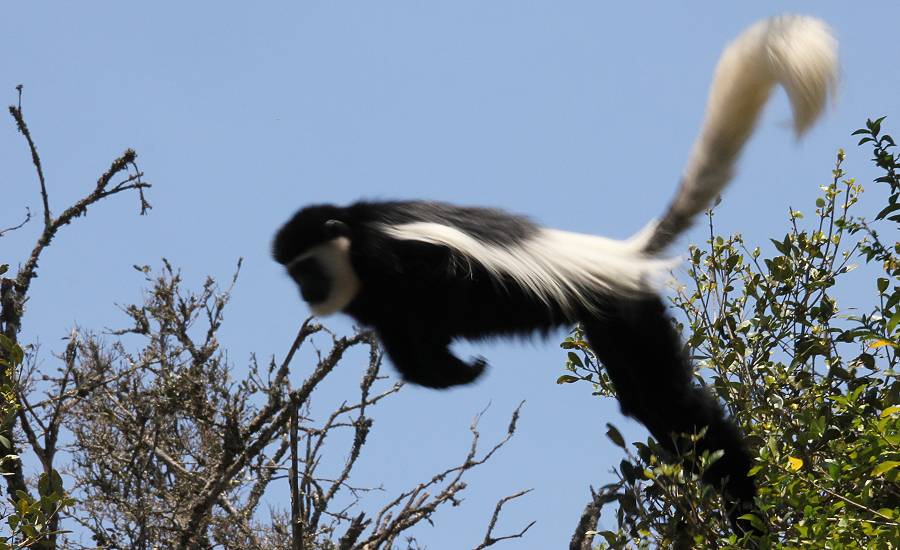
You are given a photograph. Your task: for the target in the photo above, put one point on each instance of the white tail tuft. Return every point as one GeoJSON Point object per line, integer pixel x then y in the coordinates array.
{"type": "Point", "coordinates": [800, 54]}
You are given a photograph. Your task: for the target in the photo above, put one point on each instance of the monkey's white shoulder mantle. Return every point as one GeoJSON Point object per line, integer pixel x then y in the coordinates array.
{"type": "Point", "coordinates": [558, 267]}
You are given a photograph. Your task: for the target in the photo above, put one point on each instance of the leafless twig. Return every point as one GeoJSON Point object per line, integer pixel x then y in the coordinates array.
{"type": "Point", "coordinates": [19, 226]}
{"type": "Point", "coordinates": [489, 538]}
{"type": "Point", "coordinates": [418, 504]}
{"type": "Point", "coordinates": [16, 112]}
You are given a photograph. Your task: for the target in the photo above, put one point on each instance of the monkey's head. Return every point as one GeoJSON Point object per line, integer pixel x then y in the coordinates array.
{"type": "Point", "coordinates": [314, 247]}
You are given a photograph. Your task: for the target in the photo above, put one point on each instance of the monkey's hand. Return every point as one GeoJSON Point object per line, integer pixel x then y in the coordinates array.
{"type": "Point", "coordinates": [430, 364]}
{"type": "Point", "coordinates": [450, 371]}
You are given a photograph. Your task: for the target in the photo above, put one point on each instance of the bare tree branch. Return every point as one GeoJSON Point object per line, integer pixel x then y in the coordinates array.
{"type": "Point", "coordinates": [419, 505]}
{"type": "Point", "coordinates": [275, 399]}
{"type": "Point", "coordinates": [215, 486]}
{"type": "Point", "coordinates": [489, 538]}
{"type": "Point", "coordinates": [585, 530]}
{"type": "Point", "coordinates": [296, 523]}
{"type": "Point", "coordinates": [28, 272]}
{"type": "Point", "coordinates": [357, 526]}
{"type": "Point", "coordinates": [170, 453]}
{"type": "Point", "coordinates": [16, 112]}
{"type": "Point", "coordinates": [19, 226]}
{"type": "Point", "coordinates": [361, 430]}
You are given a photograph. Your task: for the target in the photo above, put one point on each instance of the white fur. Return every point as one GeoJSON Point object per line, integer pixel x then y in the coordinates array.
{"type": "Point", "coordinates": [800, 54]}
{"type": "Point", "coordinates": [334, 257]}
{"type": "Point", "coordinates": [555, 266]}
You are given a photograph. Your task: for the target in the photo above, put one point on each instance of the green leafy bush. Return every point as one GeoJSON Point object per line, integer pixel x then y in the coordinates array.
{"type": "Point", "coordinates": [28, 519]}
{"type": "Point", "coordinates": [813, 384]}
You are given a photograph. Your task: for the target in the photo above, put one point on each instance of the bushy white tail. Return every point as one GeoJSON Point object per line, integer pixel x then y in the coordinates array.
{"type": "Point", "coordinates": [800, 54]}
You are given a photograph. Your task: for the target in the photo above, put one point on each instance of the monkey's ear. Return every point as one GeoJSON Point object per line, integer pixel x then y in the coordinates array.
{"type": "Point", "coordinates": [337, 228]}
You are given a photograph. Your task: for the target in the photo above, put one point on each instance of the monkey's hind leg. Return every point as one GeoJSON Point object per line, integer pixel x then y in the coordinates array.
{"type": "Point", "coordinates": [642, 352]}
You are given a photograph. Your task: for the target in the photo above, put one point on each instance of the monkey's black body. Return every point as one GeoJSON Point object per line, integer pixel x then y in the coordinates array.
{"type": "Point", "coordinates": [420, 297]}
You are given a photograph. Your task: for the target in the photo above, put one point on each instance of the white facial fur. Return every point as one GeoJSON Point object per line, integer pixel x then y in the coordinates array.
{"type": "Point", "coordinates": [334, 257]}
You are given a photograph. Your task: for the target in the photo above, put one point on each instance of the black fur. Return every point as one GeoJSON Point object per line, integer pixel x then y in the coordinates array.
{"type": "Point", "coordinates": [489, 225]}
{"type": "Point", "coordinates": [312, 279]}
{"type": "Point", "coordinates": [637, 343]}
{"type": "Point", "coordinates": [418, 303]}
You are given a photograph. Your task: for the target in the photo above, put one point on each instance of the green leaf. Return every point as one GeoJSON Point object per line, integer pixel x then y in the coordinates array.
{"type": "Point", "coordinates": [881, 342]}
{"type": "Point", "coordinates": [610, 537]}
{"type": "Point", "coordinates": [885, 467]}
{"type": "Point", "coordinates": [887, 210]}
{"type": "Point", "coordinates": [782, 246]}
{"type": "Point", "coordinates": [882, 284]}
{"type": "Point", "coordinates": [874, 126]}
{"type": "Point", "coordinates": [713, 456]}
{"type": "Point", "coordinates": [44, 487]}
{"type": "Point", "coordinates": [614, 435]}
{"type": "Point", "coordinates": [895, 318]}
{"type": "Point", "coordinates": [867, 360]}
{"type": "Point", "coordinates": [573, 357]}
{"type": "Point", "coordinates": [29, 530]}
{"type": "Point", "coordinates": [6, 344]}
{"type": "Point", "coordinates": [754, 521]}
{"type": "Point", "coordinates": [629, 472]}
{"type": "Point", "coordinates": [12, 349]}
{"type": "Point", "coordinates": [56, 482]}
{"type": "Point", "coordinates": [567, 379]}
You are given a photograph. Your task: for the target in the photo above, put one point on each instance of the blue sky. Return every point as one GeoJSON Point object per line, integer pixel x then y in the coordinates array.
{"type": "Point", "coordinates": [578, 113]}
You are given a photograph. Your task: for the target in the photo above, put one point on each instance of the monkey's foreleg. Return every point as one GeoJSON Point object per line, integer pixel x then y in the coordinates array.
{"type": "Point", "coordinates": [425, 359]}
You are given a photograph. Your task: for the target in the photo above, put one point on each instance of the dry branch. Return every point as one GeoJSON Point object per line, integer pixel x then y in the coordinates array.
{"type": "Point", "coordinates": [587, 523]}
{"type": "Point", "coordinates": [14, 294]}
{"type": "Point", "coordinates": [417, 504]}
{"type": "Point", "coordinates": [489, 538]}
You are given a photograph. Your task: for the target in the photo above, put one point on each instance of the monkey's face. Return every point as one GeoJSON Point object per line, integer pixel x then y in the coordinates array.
{"type": "Point", "coordinates": [325, 276]}
{"type": "Point", "coordinates": [315, 250]}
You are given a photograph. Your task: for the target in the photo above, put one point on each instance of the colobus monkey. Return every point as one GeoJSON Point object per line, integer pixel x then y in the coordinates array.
{"type": "Point", "coordinates": [424, 274]}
